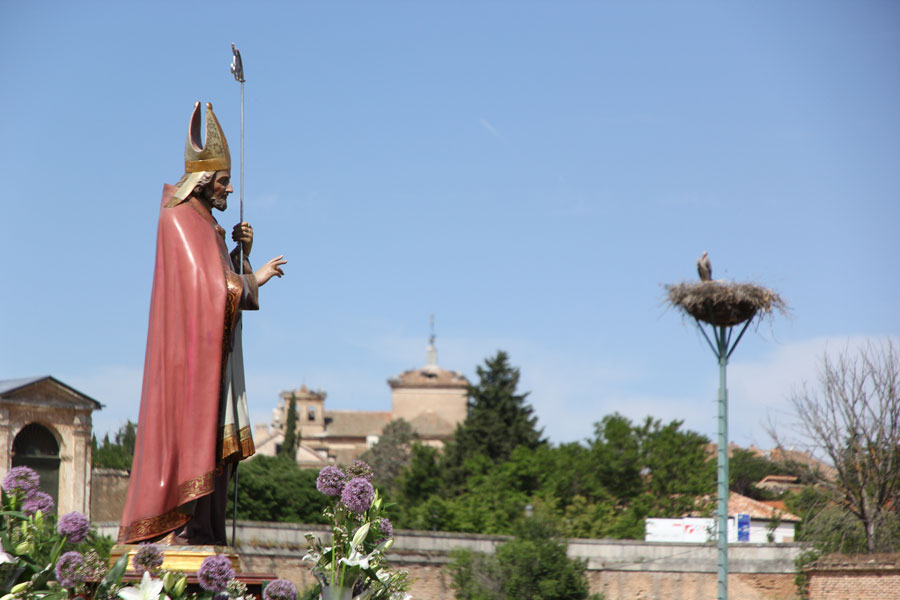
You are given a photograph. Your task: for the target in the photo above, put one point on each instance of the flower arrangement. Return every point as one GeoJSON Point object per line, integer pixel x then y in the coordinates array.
{"type": "Point", "coordinates": [42, 558]}
{"type": "Point", "coordinates": [40, 555]}
{"type": "Point", "coordinates": [360, 536]}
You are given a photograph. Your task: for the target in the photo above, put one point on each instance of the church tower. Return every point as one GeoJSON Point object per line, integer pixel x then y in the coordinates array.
{"type": "Point", "coordinates": [432, 399]}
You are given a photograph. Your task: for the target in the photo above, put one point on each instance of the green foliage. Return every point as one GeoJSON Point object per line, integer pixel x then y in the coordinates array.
{"type": "Point", "coordinates": [392, 452]}
{"type": "Point", "coordinates": [497, 465]}
{"type": "Point", "coordinates": [532, 566]}
{"type": "Point", "coordinates": [475, 576]}
{"type": "Point", "coordinates": [627, 473]}
{"type": "Point", "coordinates": [497, 421]}
{"type": "Point", "coordinates": [273, 489]}
{"type": "Point", "coordinates": [312, 592]}
{"type": "Point", "coordinates": [117, 454]}
{"type": "Point", "coordinates": [291, 435]}
{"type": "Point", "coordinates": [746, 468]}
{"type": "Point", "coordinates": [421, 478]}
{"type": "Point", "coordinates": [32, 545]}
{"type": "Point", "coordinates": [801, 580]}
{"type": "Point", "coordinates": [832, 528]}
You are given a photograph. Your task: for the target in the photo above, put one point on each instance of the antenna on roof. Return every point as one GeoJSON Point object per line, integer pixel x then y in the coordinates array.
{"type": "Point", "coordinates": [432, 351]}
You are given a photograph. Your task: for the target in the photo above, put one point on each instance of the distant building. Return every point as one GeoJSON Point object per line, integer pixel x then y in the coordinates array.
{"type": "Point", "coordinates": [768, 524]}
{"type": "Point", "coordinates": [432, 399]}
{"type": "Point", "coordinates": [780, 483]}
{"type": "Point", "coordinates": [46, 425]}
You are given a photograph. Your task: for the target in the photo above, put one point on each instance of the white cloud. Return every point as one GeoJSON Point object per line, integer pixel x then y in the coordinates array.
{"type": "Point", "coordinates": [491, 129]}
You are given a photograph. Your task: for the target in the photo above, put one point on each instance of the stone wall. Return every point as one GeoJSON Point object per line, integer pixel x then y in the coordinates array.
{"type": "Point", "coordinates": [108, 490]}
{"type": "Point", "coordinates": [622, 570]}
{"type": "Point", "coordinates": [864, 577]}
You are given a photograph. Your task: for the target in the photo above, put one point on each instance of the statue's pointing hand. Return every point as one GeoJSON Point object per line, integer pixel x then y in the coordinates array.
{"type": "Point", "coordinates": [243, 233]}
{"type": "Point", "coordinates": [270, 269]}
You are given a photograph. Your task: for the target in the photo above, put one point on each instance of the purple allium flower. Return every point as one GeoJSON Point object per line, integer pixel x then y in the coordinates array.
{"type": "Point", "coordinates": [67, 569]}
{"type": "Point", "coordinates": [93, 568]}
{"type": "Point", "coordinates": [358, 495]}
{"type": "Point", "coordinates": [75, 526]}
{"type": "Point", "coordinates": [147, 558]}
{"type": "Point", "coordinates": [37, 500]}
{"type": "Point", "coordinates": [387, 530]}
{"type": "Point", "coordinates": [215, 573]}
{"type": "Point", "coordinates": [280, 589]}
{"type": "Point", "coordinates": [330, 481]}
{"type": "Point", "coordinates": [359, 468]}
{"type": "Point", "coordinates": [21, 478]}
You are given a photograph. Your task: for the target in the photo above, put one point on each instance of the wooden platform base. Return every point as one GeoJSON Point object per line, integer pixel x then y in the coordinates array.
{"type": "Point", "coordinates": [254, 582]}
{"type": "Point", "coordinates": [186, 559]}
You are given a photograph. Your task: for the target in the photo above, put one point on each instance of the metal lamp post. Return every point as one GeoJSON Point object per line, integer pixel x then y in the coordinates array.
{"type": "Point", "coordinates": [722, 348]}
{"type": "Point", "coordinates": [723, 306]}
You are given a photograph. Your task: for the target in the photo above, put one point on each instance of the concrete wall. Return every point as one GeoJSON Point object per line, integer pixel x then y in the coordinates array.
{"type": "Point", "coordinates": [108, 490]}
{"type": "Point", "coordinates": [622, 570]}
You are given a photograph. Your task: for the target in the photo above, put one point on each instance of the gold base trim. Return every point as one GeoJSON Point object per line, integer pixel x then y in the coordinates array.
{"type": "Point", "coordinates": [186, 559]}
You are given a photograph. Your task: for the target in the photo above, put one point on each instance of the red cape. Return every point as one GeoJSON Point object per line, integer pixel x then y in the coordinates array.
{"type": "Point", "coordinates": [175, 451]}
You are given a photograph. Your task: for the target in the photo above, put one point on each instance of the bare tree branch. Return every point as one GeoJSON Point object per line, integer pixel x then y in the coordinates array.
{"type": "Point", "coordinates": [853, 417]}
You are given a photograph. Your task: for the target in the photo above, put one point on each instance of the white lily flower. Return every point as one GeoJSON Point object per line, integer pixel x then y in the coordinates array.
{"type": "Point", "coordinates": [149, 590]}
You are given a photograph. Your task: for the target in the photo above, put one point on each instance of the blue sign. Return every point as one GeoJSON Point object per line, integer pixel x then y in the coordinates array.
{"type": "Point", "coordinates": [743, 524]}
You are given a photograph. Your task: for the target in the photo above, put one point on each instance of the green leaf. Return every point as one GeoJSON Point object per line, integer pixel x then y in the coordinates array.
{"type": "Point", "coordinates": [114, 576]}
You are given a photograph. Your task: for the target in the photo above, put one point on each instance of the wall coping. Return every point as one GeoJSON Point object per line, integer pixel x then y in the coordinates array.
{"type": "Point", "coordinates": [286, 540]}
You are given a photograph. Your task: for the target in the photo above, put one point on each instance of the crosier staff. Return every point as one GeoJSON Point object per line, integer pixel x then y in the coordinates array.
{"type": "Point", "coordinates": [237, 69]}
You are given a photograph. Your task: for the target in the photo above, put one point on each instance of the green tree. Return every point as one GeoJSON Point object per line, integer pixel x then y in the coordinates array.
{"type": "Point", "coordinates": [416, 485]}
{"type": "Point", "coordinates": [746, 468]}
{"type": "Point", "coordinates": [291, 436]}
{"type": "Point", "coordinates": [497, 421]}
{"type": "Point", "coordinates": [274, 489]}
{"type": "Point", "coordinates": [391, 453]}
{"type": "Point", "coordinates": [117, 454]}
{"type": "Point", "coordinates": [627, 472]}
{"type": "Point", "coordinates": [531, 566]}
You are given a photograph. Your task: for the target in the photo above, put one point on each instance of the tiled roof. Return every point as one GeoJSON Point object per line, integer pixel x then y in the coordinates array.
{"type": "Point", "coordinates": [430, 424]}
{"type": "Point", "coordinates": [355, 423]}
{"type": "Point", "coordinates": [757, 510]}
{"type": "Point", "coordinates": [11, 386]}
{"type": "Point", "coordinates": [8, 385]}
{"type": "Point", "coordinates": [429, 376]}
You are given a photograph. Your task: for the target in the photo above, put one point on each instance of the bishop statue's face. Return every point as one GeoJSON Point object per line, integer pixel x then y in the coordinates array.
{"type": "Point", "coordinates": [218, 190]}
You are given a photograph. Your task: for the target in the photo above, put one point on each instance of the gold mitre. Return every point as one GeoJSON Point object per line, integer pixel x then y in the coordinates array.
{"type": "Point", "coordinates": [198, 159]}
{"type": "Point", "coordinates": [215, 156]}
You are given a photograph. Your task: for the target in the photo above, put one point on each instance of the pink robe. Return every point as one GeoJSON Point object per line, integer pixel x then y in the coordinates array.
{"type": "Point", "coordinates": [189, 423]}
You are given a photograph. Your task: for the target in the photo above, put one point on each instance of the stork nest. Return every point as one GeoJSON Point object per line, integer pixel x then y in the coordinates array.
{"type": "Point", "coordinates": [724, 304]}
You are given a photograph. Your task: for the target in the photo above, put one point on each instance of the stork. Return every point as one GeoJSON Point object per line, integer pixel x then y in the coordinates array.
{"type": "Point", "coordinates": [704, 268]}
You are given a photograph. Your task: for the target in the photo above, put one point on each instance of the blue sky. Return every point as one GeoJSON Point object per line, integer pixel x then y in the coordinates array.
{"type": "Point", "coordinates": [529, 172]}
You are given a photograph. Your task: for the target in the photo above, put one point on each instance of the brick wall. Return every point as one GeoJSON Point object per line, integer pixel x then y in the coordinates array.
{"type": "Point", "coordinates": [619, 569]}
{"type": "Point", "coordinates": [862, 577]}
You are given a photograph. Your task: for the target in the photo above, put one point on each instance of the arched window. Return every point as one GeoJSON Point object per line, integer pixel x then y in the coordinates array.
{"type": "Point", "coordinates": [36, 447]}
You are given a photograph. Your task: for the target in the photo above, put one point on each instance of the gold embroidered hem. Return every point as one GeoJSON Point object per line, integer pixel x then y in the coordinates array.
{"type": "Point", "coordinates": [236, 445]}
{"type": "Point", "coordinates": [153, 526]}
{"type": "Point", "coordinates": [195, 488]}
